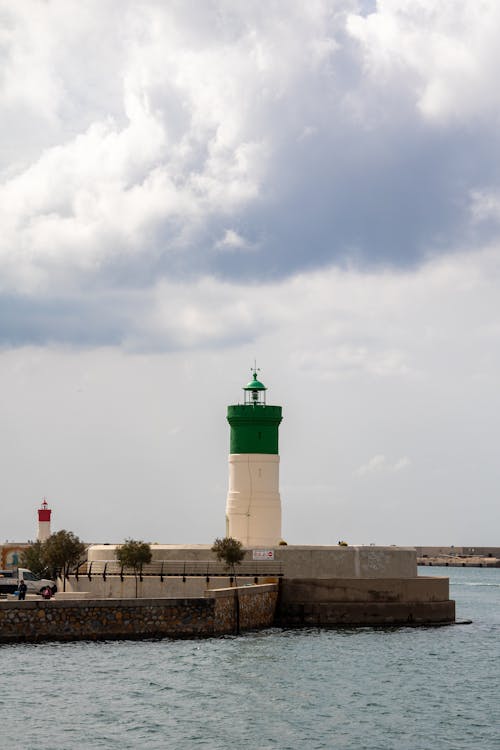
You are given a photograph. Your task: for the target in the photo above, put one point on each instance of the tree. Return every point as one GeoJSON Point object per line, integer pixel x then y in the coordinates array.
{"type": "Point", "coordinates": [231, 552]}
{"type": "Point", "coordinates": [62, 551]}
{"type": "Point", "coordinates": [34, 559]}
{"type": "Point", "coordinates": [134, 554]}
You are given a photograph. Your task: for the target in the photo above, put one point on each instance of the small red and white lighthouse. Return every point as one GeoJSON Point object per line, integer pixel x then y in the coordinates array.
{"type": "Point", "coordinates": [44, 513]}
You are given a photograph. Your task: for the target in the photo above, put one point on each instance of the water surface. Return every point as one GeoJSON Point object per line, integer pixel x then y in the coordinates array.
{"type": "Point", "coordinates": [360, 689]}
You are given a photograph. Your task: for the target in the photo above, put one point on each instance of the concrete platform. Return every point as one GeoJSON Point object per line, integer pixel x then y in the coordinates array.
{"type": "Point", "coordinates": [365, 601]}
{"type": "Point", "coordinates": [299, 561]}
{"type": "Point", "coordinates": [419, 589]}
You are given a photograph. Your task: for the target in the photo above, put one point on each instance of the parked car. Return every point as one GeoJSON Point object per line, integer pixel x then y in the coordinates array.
{"type": "Point", "coordinates": [10, 579]}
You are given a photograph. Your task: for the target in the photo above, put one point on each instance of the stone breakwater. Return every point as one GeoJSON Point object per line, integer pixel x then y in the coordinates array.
{"type": "Point", "coordinates": [449, 561]}
{"type": "Point", "coordinates": [220, 612]}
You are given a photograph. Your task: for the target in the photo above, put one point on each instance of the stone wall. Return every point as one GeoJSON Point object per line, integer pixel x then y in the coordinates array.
{"type": "Point", "coordinates": [68, 620]}
{"type": "Point", "coordinates": [357, 601]}
{"type": "Point", "coordinates": [240, 605]}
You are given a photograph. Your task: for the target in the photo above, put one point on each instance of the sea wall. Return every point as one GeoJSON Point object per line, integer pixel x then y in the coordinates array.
{"type": "Point", "coordinates": [247, 611]}
{"type": "Point", "coordinates": [452, 551]}
{"type": "Point", "coordinates": [357, 614]}
{"type": "Point", "coordinates": [325, 602]}
{"type": "Point", "coordinates": [220, 612]}
{"type": "Point", "coordinates": [294, 603]}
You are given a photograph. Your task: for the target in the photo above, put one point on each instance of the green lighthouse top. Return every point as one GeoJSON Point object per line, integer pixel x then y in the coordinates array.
{"type": "Point", "coordinates": [254, 424]}
{"type": "Point", "coordinates": [255, 391]}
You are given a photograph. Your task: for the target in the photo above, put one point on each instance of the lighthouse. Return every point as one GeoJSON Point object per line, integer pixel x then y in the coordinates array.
{"type": "Point", "coordinates": [44, 513]}
{"type": "Point", "coordinates": [253, 508]}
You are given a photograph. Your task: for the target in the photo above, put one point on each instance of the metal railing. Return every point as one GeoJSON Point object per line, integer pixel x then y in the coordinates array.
{"type": "Point", "coordinates": [180, 568]}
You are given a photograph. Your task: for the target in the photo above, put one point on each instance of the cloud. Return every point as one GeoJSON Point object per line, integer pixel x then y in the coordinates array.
{"type": "Point", "coordinates": [440, 56]}
{"type": "Point", "coordinates": [374, 464]}
{"type": "Point", "coordinates": [309, 183]}
{"type": "Point", "coordinates": [350, 428]}
{"type": "Point", "coordinates": [485, 205]}
{"type": "Point", "coordinates": [342, 133]}
{"type": "Point", "coordinates": [232, 241]}
{"type": "Point", "coordinates": [380, 463]}
{"type": "Point", "coordinates": [338, 323]}
{"type": "Point", "coordinates": [309, 131]}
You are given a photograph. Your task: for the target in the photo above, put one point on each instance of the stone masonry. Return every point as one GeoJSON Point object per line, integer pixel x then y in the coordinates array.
{"type": "Point", "coordinates": [69, 620]}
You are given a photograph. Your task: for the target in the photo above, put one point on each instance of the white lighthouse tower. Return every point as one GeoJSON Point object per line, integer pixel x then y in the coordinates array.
{"type": "Point", "coordinates": [253, 508]}
{"type": "Point", "coordinates": [44, 513]}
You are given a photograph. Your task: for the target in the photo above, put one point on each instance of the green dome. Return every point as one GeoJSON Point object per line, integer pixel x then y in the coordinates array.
{"type": "Point", "coordinates": [255, 385]}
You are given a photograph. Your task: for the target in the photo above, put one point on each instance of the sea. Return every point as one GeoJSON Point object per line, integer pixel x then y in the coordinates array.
{"type": "Point", "coordinates": [427, 688]}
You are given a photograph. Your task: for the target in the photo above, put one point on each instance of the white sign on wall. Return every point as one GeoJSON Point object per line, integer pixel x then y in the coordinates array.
{"type": "Point", "coordinates": [263, 554]}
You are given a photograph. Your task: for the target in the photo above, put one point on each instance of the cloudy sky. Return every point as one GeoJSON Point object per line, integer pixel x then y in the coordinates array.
{"type": "Point", "coordinates": [188, 184]}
